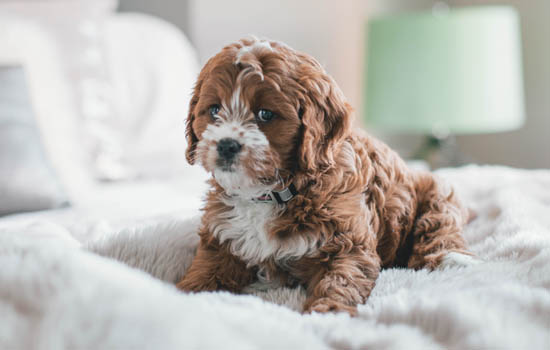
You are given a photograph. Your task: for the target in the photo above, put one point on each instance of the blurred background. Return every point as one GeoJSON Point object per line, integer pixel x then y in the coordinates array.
{"type": "Point", "coordinates": [335, 32]}
{"type": "Point", "coordinates": [95, 92]}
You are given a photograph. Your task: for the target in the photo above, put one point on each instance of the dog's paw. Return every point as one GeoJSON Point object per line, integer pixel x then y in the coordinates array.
{"type": "Point", "coordinates": [455, 259]}
{"type": "Point", "coordinates": [325, 305]}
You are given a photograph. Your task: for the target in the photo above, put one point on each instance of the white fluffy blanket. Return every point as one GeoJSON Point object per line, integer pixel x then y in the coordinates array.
{"type": "Point", "coordinates": [54, 294]}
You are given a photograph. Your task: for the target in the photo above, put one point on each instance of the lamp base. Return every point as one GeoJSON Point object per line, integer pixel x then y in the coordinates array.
{"type": "Point", "coordinates": [440, 152]}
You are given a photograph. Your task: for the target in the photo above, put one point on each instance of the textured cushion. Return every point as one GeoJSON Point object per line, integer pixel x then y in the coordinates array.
{"type": "Point", "coordinates": [27, 182]}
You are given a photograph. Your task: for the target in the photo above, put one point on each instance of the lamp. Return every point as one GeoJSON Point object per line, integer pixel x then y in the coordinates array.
{"type": "Point", "coordinates": [443, 73]}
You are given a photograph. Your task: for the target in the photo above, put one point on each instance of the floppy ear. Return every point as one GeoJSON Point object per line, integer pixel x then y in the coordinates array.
{"type": "Point", "coordinates": [326, 121]}
{"type": "Point", "coordinates": [189, 132]}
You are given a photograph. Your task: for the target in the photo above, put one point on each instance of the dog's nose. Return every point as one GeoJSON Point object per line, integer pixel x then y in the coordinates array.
{"type": "Point", "coordinates": [228, 148]}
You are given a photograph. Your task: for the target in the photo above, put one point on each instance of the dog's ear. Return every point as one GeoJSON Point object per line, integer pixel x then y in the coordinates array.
{"type": "Point", "coordinates": [190, 135]}
{"type": "Point", "coordinates": [326, 120]}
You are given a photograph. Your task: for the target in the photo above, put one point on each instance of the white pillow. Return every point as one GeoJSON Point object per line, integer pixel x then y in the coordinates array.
{"type": "Point", "coordinates": [152, 68]}
{"type": "Point", "coordinates": [23, 42]}
{"type": "Point", "coordinates": [75, 28]}
{"type": "Point", "coordinates": [126, 78]}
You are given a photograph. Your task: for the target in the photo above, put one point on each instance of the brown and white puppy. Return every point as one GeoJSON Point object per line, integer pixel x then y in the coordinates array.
{"type": "Point", "coordinates": [299, 197]}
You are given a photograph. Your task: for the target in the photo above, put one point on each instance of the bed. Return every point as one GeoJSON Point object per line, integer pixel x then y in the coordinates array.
{"type": "Point", "coordinates": [105, 279]}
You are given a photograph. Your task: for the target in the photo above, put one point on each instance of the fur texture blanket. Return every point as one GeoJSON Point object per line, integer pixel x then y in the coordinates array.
{"type": "Point", "coordinates": [117, 292]}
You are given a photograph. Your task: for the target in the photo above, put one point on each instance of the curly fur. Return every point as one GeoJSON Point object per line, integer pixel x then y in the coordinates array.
{"type": "Point", "coordinates": [359, 208]}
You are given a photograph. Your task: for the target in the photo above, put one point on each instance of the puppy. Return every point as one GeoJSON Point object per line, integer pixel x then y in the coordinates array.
{"type": "Point", "coordinates": [299, 197]}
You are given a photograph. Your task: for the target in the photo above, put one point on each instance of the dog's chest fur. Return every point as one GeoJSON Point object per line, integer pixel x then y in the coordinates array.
{"type": "Point", "coordinates": [245, 228]}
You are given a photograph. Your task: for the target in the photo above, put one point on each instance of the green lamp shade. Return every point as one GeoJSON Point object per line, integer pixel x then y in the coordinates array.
{"type": "Point", "coordinates": [459, 72]}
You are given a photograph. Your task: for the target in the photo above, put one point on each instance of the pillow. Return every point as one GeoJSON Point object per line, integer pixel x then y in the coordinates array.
{"type": "Point", "coordinates": [152, 69]}
{"type": "Point", "coordinates": [23, 42]}
{"type": "Point", "coordinates": [74, 30]}
{"type": "Point", "coordinates": [130, 77]}
{"type": "Point", "coordinates": [27, 181]}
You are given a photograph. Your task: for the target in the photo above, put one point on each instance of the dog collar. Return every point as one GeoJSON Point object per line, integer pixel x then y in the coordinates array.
{"type": "Point", "coordinates": [280, 197]}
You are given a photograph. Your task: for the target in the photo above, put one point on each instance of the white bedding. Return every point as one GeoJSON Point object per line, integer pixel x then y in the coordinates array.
{"type": "Point", "coordinates": [105, 207]}
{"type": "Point", "coordinates": [55, 294]}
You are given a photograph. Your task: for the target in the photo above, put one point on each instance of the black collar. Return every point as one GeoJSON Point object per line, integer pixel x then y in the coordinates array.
{"type": "Point", "coordinates": [281, 197]}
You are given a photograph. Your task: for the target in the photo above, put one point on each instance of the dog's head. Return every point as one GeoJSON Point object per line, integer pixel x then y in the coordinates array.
{"type": "Point", "coordinates": [261, 112]}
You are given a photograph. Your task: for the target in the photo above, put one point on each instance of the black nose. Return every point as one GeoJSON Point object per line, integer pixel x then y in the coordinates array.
{"type": "Point", "coordinates": [228, 148]}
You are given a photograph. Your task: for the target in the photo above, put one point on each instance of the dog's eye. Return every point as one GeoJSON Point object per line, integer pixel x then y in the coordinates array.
{"type": "Point", "coordinates": [264, 115]}
{"type": "Point", "coordinates": [213, 111]}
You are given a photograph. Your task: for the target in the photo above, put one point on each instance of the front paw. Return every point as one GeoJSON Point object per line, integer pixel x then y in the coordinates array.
{"type": "Point", "coordinates": [325, 305]}
{"type": "Point", "coordinates": [456, 259]}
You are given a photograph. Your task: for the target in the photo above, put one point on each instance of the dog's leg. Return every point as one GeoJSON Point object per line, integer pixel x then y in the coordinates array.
{"type": "Point", "coordinates": [215, 268]}
{"type": "Point", "coordinates": [438, 227]}
{"type": "Point", "coordinates": [345, 282]}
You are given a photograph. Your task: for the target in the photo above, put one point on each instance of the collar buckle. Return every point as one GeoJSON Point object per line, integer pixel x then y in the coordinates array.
{"type": "Point", "coordinates": [280, 197]}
